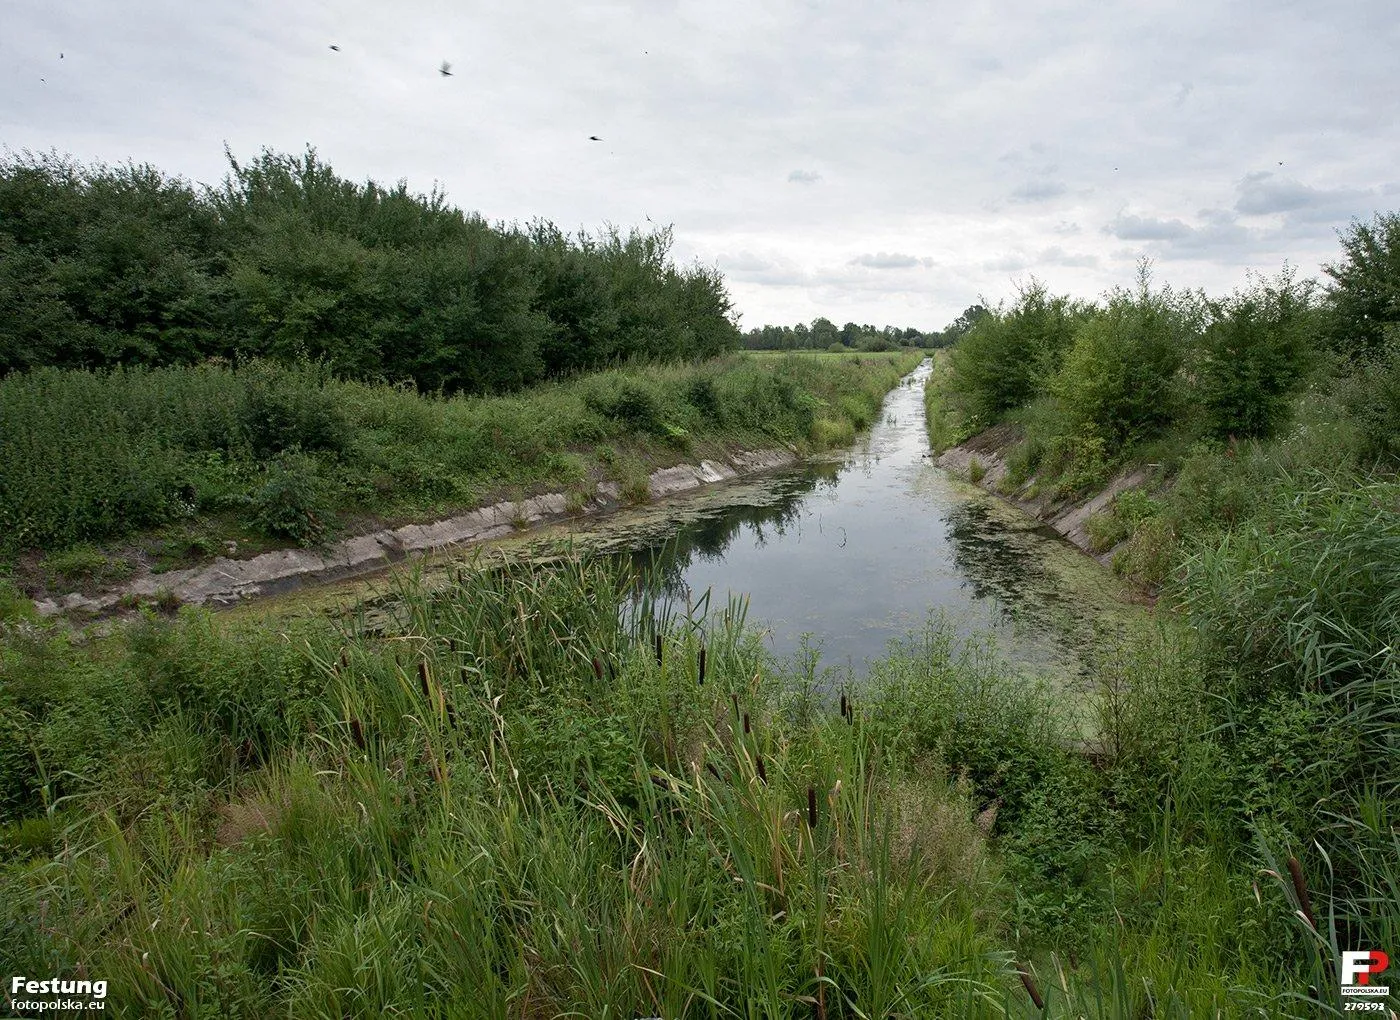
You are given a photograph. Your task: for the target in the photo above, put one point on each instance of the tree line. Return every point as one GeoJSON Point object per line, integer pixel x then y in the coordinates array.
{"type": "Point", "coordinates": [1106, 374]}
{"type": "Point", "coordinates": [823, 334]}
{"type": "Point", "coordinates": [286, 260]}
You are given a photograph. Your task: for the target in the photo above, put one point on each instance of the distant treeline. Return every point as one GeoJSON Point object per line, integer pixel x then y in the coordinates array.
{"type": "Point", "coordinates": [823, 334]}
{"type": "Point", "coordinates": [106, 265]}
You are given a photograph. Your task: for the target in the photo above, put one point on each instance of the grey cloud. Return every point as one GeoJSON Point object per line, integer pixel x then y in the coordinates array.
{"type": "Point", "coordinates": [1127, 227]}
{"type": "Point", "coordinates": [804, 177]}
{"type": "Point", "coordinates": [1038, 191]}
{"type": "Point", "coordinates": [888, 260]}
{"type": "Point", "coordinates": [1263, 193]}
{"type": "Point", "coordinates": [1058, 256]}
{"type": "Point", "coordinates": [1006, 264]}
{"type": "Point", "coordinates": [1218, 235]}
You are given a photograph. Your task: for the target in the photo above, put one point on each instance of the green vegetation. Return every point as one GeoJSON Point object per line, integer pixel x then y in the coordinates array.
{"type": "Point", "coordinates": [1259, 742]}
{"type": "Point", "coordinates": [288, 452]}
{"type": "Point", "coordinates": [103, 266]}
{"type": "Point", "coordinates": [825, 335]}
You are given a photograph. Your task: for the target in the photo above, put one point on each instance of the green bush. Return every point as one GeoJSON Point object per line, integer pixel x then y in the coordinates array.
{"type": "Point", "coordinates": [295, 501]}
{"type": "Point", "coordinates": [1006, 356]}
{"type": "Point", "coordinates": [1370, 396]}
{"type": "Point", "coordinates": [1252, 357]}
{"type": "Point", "coordinates": [1363, 299]}
{"type": "Point", "coordinates": [1120, 379]}
{"type": "Point", "coordinates": [284, 409]}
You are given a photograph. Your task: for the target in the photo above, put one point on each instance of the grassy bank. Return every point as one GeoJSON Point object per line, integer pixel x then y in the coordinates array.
{"type": "Point", "coordinates": [1263, 426]}
{"type": "Point", "coordinates": [264, 455]}
{"type": "Point", "coordinates": [462, 813]}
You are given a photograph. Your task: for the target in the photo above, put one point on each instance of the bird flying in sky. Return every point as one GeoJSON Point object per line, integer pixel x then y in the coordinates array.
{"type": "Point", "coordinates": [445, 70]}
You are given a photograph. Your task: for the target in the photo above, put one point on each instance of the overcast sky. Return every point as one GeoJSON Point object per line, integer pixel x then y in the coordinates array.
{"type": "Point", "coordinates": [883, 162]}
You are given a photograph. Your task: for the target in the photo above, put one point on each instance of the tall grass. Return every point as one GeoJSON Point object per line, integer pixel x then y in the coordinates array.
{"type": "Point", "coordinates": [90, 455]}
{"type": "Point", "coordinates": [499, 800]}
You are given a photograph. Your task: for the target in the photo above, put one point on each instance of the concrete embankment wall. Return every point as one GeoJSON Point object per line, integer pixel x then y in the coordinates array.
{"type": "Point", "coordinates": [988, 451]}
{"type": "Point", "coordinates": [227, 581]}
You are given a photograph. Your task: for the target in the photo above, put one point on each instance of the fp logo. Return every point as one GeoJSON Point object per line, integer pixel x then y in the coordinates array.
{"type": "Point", "coordinates": [1357, 969]}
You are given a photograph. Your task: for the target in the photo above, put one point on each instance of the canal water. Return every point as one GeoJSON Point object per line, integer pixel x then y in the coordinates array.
{"type": "Point", "coordinates": [846, 553]}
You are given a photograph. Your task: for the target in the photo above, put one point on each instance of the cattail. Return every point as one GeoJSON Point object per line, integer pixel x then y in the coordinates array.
{"type": "Point", "coordinates": [1031, 989]}
{"type": "Point", "coordinates": [709, 767]}
{"type": "Point", "coordinates": [451, 714]}
{"type": "Point", "coordinates": [734, 700]}
{"type": "Point", "coordinates": [746, 724]}
{"type": "Point", "coordinates": [1301, 888]}
{"type": "Point", "coordinates": [597, 669]}
{"type": "Point", "coordinates": [452, 645]}
{"type": "Point", "coordinates": [702, 664]}
{"type": "Point", "coordinates": [844, 706]}
{"type": "Point", "coordinates": [811, 807]}
{"type": "Point", "coordinates": [357, 731]}
{"type": "Point", "coordinates": [423, 679]}
{"type": "Point", "coordinates": [658, 649]}
{"type": "Point", "coordinates": [762, 772]}
{"type": "Point", "coordinates": [464, 674]}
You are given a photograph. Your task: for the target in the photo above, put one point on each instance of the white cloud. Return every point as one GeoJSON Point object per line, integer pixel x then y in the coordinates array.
{"type": "Point", "coordinates": [981, 142]}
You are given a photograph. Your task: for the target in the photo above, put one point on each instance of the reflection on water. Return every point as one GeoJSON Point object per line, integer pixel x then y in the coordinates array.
{"type": "Point", "coordinates": [860, 549]}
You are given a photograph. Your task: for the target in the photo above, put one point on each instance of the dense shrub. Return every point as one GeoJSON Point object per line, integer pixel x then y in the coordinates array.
{"type": "Point", "coordinates": [1370, 396]}
{"type": "Point", "coordinates": [1006, 356]}
{"type": "Point", "coordinates": [285, 260]}
{"type": "Point", "coordinates": [1252, 357]}
{"type": "Point", "coordinates": [1119, 380]}
{"type": "Point", "coordinates": [1364, 296]}
{"type": "Point", "coordinates": [294, 501]}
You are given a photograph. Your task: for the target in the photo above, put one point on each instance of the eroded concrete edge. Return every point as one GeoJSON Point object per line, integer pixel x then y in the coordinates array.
{"type": "Point", "coordinates": [1070, 520]}
{"type": "Point", "coordinates": [226, 582]}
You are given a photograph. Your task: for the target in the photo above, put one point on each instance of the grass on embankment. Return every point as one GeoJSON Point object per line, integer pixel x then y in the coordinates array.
{"type": "Point", "coordinates": [512, 801]}
{"type": "Point", "coordinates": [265, 455]}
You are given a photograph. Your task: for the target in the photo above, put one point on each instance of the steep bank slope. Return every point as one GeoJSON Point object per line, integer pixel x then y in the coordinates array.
{"type": "Point", "coordinates": [982, 460]}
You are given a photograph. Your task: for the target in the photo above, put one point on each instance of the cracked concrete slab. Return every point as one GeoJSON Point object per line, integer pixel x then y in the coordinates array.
{"type": "Point", "coordinates": [227, 581]}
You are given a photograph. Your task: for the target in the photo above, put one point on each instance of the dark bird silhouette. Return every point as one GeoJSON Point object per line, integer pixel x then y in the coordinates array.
{"type": "Point", "coordinates": [335, 47]}
{"type": "Point", "coordinates": [60, 56]}
{"type": "Point", "coordinates": [445, 70]}
{"type": "Point", "coordinates": [1280, 162]}
{"type": "Point", "coordinates": [594, 138]}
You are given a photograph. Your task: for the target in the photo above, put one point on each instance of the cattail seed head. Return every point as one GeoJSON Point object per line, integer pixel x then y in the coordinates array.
{"type": "Point", "coordinates": [423, 679]}
{"type": "Point", "coordinates": [811, 807]}
{"type": "Point", "coordinates": [658, 649]}
{"type": "Point", "coordinates": [762, 772]}
{"type": "Point", "coordinates": [1029, 981]}
{"type": "Point", "coordinates": [597, 669]}
{"type": "Point", "coordinates": [702, 664]}
{"type": "Point", "coordinates": [1300, 887]}
{"type": "Point", "coordinates": [746, 724]}
{"type": "Point", "coordinates": [357, 733]}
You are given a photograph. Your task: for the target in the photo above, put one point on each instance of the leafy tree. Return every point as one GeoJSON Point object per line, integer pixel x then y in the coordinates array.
{"type": "Point", "coordinates": [1119, 381]}
{"type": "Point", "coordinates": [1005, 357]}
{"type": "Point", "coordinates": [1364, 296]}
{"type": "Point", "coordinates": [1253, 355]}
